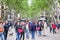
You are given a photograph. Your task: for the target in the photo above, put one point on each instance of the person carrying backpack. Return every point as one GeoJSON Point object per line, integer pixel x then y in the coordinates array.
{"type": "Point", "coordinates": [20, 31]}
{"type": "Point", "coordinates": [1, 31]}
{"type": "Point", "coordinates": [33, 29]}
{"type": "Point", "coordinates": [23, 24]}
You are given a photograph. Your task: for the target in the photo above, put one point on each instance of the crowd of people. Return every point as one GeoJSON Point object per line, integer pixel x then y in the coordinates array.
{"type": "Point", "coordinates": [27, 26]}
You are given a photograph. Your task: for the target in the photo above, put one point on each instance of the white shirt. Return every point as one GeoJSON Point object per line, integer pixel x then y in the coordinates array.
{"type": "Point", "coordinates": [27, 27]}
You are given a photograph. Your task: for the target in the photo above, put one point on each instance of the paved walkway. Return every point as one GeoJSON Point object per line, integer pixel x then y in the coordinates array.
{"type": "Point", "coordinates": [49, 36]}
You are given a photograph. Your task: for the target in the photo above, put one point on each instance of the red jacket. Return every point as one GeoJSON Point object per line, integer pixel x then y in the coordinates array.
{"type": "Point", "coordinates": [53, 25]}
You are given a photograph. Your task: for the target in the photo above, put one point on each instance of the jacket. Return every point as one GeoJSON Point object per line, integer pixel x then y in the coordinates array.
{"type": "Point", "coordinates": [53, 26]}
{"type": "Point", "coordinates": [33, 27]}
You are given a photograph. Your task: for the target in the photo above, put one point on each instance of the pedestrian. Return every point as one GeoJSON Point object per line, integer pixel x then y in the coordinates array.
{"type": "Point", "coordinates": [45, 29]}
{"type": "Point", "coordinates": [20, 31]}
{"type": "Point", "coordinates": [30, 23]}
{"type": "Point", "coordinates": [54, 27]}
{"type": "Point", "coordinates": [1, 31]}
{"type": "Point", "coordinates": [39, 28]}
{"type": "Point", "coordinates": [18, 27]}
{"type": "Point", "coordinates": [23, 26]}
{"type": "Point", "coordinates": [50, 26]}
{"type": "Point", "coordinates": [33, 29]}
{"type": "Point", "coordinates": [6, 28]}
{"type": "Point", "coordinates": [27, 29]}
{"type": "Point", "coordinates": [15, 26]}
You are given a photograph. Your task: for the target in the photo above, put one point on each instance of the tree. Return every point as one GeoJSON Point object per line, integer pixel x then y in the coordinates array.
{"type": "Point", "coordinates": [21, 6]}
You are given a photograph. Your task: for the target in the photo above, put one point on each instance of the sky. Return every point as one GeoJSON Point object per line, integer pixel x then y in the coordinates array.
{"type": "Point", "coordinates": [29, 2]}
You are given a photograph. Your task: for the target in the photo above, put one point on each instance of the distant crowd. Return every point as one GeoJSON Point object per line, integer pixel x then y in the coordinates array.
{"type": "Point", "coordinates": [28, 27]}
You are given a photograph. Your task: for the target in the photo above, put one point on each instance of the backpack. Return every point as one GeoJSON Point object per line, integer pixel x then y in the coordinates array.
{"type": "Point", "coordinates": [1, 29]}
{"type": "Point", "coordinates": [20, 30]}
{"type": "Point", "coordinates": [37, 28]}
{"type": "Point", "coordinates": [33, 27]}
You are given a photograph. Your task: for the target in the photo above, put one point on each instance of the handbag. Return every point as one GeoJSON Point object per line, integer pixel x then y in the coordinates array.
{"type": "Point", "coordinates": [37, 28]}
{"type": "Point", "coordinates": [20, 31]}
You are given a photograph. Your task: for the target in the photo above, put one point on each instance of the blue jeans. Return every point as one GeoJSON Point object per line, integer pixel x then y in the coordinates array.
{"type": "Point", "coordinates": [18, 36]}
{"type": "Point", "coordinates": [33, 34]}
{"type": "Point", "coordinates": [27, 34]}
{"type": "Point", "coordinates": [1, 36]}
{"type": "Point", "coordinates": [39, 33]}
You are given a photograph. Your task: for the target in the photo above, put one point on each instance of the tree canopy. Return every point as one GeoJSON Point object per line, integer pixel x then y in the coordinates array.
{"type": "Point", "coordinates": [22, 7]}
